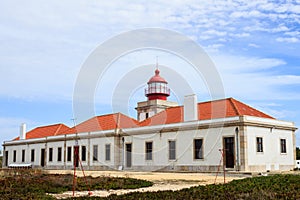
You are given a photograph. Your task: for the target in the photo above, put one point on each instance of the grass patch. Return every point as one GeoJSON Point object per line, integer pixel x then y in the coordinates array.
{"type": "Point", "coordinates": [270, 187]}
{"type": "Point", "coordinates": [29, 184]}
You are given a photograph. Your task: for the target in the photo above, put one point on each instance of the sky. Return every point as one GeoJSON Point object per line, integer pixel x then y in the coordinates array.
{"type": "Point", "coordinates": [254, 45]}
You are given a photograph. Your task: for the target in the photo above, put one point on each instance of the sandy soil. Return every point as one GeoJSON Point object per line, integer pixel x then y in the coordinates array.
{"type": "Point", "coordinates": [162, 181]}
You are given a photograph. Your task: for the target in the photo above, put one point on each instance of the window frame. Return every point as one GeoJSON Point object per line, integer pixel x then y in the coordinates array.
{"type": "Point", "coordinates": [148, 151]}
{"type": "Point", "coordinates": [50, 154]}
{"type": "Point", "coordinates": [172, 150]}
{"type": "Point", "coordinates": [83, 153]}
{"type": "Point", "coordinates": [59, 154]}
{"type": "Point", "coordinates": [196, 152]}
{"type": "Point", "coordinates": [95, 153]}
{"type": "Point", "coordinates": [23, 155]}
{"type": "Point", "coordinates": [283, 149]}
{"type": "Point", "coordinates": [14, 156]}
{"type": "Point", "coordinates": [32, 155]}
{"type": "Point", "coordinates": [259, 145]}
{"type": "Point", "coordinates": [107, 152]}
{"type": "Point", "coordinates": [69, 154]}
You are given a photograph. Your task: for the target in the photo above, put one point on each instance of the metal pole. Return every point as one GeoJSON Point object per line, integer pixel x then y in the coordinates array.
{"type": "Point", "coordinates": [224, 165]}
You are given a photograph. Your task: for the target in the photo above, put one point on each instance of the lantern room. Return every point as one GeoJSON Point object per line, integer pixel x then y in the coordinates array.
{"type": "Point", "coordinates": [157, 87]}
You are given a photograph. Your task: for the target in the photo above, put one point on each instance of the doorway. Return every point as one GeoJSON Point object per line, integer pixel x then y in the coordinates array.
{"type": "Point", "coordinates": [128, 155]}
{"type": "Point", "coordinates": [229, 152]}
{"type": "Point", "coordinates": [43, 157]}
{"type": "Point", "coordinates": [76, 156]}
{"type": "Point", "coordinates": [6, 159]}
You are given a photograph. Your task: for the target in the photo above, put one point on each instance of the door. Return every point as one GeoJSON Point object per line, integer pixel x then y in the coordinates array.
{"type": "Point", "coordinates": [76, 156]}
{"type": "Point", "coordinates": [128, 155]}
{"type": "Point", "coordinates": [229, 152]}
{"type": "Point", "coordinates": [43, 157]}
{"type": "Point", "coordinates": [6, 159]}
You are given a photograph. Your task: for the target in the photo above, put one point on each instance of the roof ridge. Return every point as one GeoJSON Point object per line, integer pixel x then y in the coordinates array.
{"type": "Point", "coordinates": [118, 120]}
{"type": "Point", "coordinates": [231, 100]}
{"type": "Point", "coordinates": [254, 109]}
{"type": "Point", "coordinates": [55, 133]}
{"type": "Point", "coordinates": [127, 116]}
{"type": "Point", "coordinates": [215, 100]}
{"type": "Point", "coordinates": [43, 127]}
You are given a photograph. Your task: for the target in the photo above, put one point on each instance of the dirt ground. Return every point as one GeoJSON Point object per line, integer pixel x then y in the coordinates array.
{"type": "Point", "coordinates": [161, 180]}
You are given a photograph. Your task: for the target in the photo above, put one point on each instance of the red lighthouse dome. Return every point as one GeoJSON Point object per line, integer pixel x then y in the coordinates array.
{"type": "Point", "coordinates": [157, 87]}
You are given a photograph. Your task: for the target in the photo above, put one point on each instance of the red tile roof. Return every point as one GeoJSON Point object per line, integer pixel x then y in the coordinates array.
{"type": "Point", "coordinates": [45, 131]}
{"type": "Point", "coordinates": [104, 122]}
{"type": "Point", "coordinates": [206, 110]}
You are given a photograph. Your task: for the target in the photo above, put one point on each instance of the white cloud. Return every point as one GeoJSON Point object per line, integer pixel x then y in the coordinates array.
{"type": "Point", "coordinates": [253, 45]}
{"type": "Point", "coordinates": [236, 64]}
{"type": "Point", "coordinates": [44, 44]}
{"type": "Point", "coordinates": [213, 48]}
{"type": "Point", "coordinates": [292, 33]}
{"type": "Point", "coordinates": [287, 39]}
{"type": "Point", "coordinates": [240, 35]}
{"type": "Point", "coordinates": [10, 127]}
{"type": "Point", "coordinates": [253, 78]}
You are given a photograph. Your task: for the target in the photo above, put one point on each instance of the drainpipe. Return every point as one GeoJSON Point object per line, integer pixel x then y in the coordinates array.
{"type": "Point", "coordinates": [237, 149]}
{"type": "Point", "coordinates": [123, 153]}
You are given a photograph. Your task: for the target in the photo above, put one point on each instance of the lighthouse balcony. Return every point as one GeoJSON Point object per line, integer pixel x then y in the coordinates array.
{"type": "Point", "coordinates": [157, 90]}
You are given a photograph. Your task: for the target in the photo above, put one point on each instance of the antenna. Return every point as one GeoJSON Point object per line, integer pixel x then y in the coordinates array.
{"type": "Point", "coordinates": [77, 162]}
{"type": "Point", "coordinates": [76, 139]}
{"type": "Point", "coordinates": [74, 121]}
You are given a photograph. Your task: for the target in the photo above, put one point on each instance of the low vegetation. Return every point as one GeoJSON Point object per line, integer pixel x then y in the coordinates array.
{"type": "Point", "coordinates": [29, 184]}
{"type": "Point", "coordinates": [264, 187]}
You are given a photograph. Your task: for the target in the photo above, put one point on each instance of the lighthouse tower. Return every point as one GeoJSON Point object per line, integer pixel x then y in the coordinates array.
{"type": "Point", "coordinates": [157, 93]}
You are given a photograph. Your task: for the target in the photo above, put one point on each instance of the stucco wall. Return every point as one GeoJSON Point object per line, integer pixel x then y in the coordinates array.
{"type": "Point", "coordinates": [212, 141]}
{"type": "Point", "coordinates": [271, 158]}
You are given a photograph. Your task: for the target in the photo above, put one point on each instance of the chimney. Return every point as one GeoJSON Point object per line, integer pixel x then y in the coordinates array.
{"type": "Point", "coordinates": [23, 131]}
{"type": "Point", "coordinates": [190, 108]}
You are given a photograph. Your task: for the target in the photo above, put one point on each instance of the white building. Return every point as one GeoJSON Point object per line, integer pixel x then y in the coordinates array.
{"type": "Point", "coordinates": [167, 137]}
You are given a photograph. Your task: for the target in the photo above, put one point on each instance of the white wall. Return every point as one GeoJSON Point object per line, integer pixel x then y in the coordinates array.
{"type": "Point", "coordinates": [212, 141]}
{"type": "Point", "coordinates": [271, 156]}
{"type": "Point", "coordinates": [101, 142]}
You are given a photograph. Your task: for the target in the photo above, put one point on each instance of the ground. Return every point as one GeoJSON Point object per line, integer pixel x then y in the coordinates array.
{"type": "Point", "coordinates": [162, 181]}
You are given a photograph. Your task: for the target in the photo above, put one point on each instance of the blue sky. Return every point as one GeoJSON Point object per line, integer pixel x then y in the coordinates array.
{"type": "Point", "coordinates": [255, 46]}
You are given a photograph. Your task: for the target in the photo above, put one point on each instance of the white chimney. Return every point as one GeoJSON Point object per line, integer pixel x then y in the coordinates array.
{"type": "Point", "coordinates": [23, 131]}
{"type": "Point", "coordinates": [190, 108]}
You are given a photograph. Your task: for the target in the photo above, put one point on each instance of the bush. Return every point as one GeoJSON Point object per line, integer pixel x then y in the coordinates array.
{"type": "Point", "coordinates": [30, 184]}
{"type": "Point", "coordinates": [269, 187]}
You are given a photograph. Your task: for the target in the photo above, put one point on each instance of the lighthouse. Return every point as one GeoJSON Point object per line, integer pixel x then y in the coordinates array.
{"type": "Point", "coordinates": [157, 92]}
{"type": "Point", "coordinates": [157, 87]}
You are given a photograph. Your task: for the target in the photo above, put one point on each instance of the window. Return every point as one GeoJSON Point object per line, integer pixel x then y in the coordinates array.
{"type": "Point", "coordinates": [59, 154]}
{"type": "Point", "coordinates": [95, 152]}
{"type": "Point", "coordinates": [147, 115]}
{"type": "Point", "coordinates": [23, 155]}
{"type": "Point", "coordinates": [107, 152]}
{"type": "Point", "coordinates": [259, 144]}
{"type": "Point", "coordinates": [283, 145]}
{"type": "Point", "coordinates": [149, 150]}
{"type": "Point", "coordinates": [172, 150]}
{"type": "Point", "coordinates": [15, 156]}
{"type": "Point", "coordinates": [32, 155]}
{"type": "Point", "coordinates": [69, 154]}
{"type": "Point", "coordinates": [83, 153]}
{"type": "Point", "coordinates": [198, 149]}
{"type": "Point", "coordinates": [50, 154]}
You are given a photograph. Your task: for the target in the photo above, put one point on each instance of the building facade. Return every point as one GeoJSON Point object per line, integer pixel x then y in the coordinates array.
{"type": "Point", "coordinates": [193, 137]}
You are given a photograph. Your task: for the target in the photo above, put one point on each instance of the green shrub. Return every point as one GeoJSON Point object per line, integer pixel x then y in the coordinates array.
{"type": "Point", "coordinates": [30, 184]}
{"type": "Point", "coordinates": [269, 187]}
